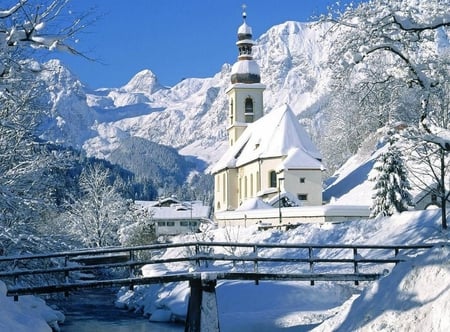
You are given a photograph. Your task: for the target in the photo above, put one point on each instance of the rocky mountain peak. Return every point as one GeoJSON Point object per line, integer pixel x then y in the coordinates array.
{"type": "Point", "coordinates": [144, 82]}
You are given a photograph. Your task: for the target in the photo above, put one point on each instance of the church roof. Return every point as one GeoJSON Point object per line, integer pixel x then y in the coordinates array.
{"type": "Point", "coordinates": [277, 134]}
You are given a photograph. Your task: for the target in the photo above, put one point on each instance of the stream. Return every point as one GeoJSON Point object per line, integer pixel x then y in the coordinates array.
{"type": "Point", "coordinates": [94, 310]}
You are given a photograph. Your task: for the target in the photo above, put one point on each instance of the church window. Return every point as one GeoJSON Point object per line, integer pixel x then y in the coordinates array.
{"type": "Point", "coordinates": [249, 113]}
{"type": "Point", "coordinates": [231, 111]}
{"type": "Point", "coordinates": [273, 179]}
{"type": "Point", "coordinates": [245, 188]}
{"type": "Point", "coordinates": [251, 185]}
{"type": "Point", "coordinates": [240, 188]}
{"type": "Point", "coordinates": [224, 187]}
{"type": "Point", "coordinates": [258, 182]}
{"type": "Point", "coordinates": [302, 197]}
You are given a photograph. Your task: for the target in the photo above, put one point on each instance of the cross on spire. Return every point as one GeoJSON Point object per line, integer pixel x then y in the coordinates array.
{"type": "Point", "coordinates": [244, 13]}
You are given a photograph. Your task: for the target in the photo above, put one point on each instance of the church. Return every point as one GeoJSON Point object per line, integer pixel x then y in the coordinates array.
{"type": "Point", "coordinates": [270, 156]}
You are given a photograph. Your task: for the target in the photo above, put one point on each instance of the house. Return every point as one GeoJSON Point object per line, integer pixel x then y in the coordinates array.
{"type": "Point", "coordinates": [172, 216]}
{"type": "Point", "coordinates": [428, 198]}
{"type": "Point", "coordinates": [268, 154]}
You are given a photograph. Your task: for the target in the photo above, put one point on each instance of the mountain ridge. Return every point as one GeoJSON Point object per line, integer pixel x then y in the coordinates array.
{"type": "Point", "coordinates": [191, 116]}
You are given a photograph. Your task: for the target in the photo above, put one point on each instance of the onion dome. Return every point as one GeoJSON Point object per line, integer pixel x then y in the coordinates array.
{"type": "Point", "coordinates": [245, 70]}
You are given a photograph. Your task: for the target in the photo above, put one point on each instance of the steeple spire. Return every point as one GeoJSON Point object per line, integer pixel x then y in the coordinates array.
{"type": "Point", "coordinates": [244, 13]}
{"type": "Point", "coordinates": [245, 70]}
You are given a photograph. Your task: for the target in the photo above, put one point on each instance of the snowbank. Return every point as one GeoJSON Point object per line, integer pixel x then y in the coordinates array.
{"type": "Point", "coordinates": [414, 297]}
{"type": "Point", "coordinates": [30, 313]}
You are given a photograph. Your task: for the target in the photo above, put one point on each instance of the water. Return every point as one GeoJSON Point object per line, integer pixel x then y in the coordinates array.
{"type": "Point", "coordinates": [94, 310]}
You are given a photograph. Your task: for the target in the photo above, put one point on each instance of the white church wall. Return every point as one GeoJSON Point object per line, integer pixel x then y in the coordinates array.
{"type": "Point", "coordinates": [292, 215]}
{"type": "Point", "coordinates": [225, 190]}
{"type": "Point", "coordinates": [304, 184]}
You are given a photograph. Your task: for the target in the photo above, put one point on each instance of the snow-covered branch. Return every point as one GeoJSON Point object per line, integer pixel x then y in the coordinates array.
{"type": "Point", "coordinates": [435, 135]}
{"type": "Point", "coordinates": [34, 26]}
{"type": "Point", "coordinates": [418, 76]}
{"type": "Point", "coordinates": [12, 10]}
{"type": "Point", "coordinates": [406, 24]}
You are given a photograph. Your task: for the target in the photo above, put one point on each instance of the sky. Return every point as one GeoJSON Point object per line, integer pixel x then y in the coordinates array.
{"type": "Point", "coordinates": [175, 39]}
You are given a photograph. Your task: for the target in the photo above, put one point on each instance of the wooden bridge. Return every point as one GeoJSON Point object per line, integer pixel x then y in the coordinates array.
{"type": "Point", "coordinates": [209, 261]}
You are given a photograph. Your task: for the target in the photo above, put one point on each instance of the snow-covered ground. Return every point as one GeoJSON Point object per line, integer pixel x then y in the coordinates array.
{"type": "Point", "coordinates": [415, 296]}
{"type": "Point", "coordinates": [28, 314]}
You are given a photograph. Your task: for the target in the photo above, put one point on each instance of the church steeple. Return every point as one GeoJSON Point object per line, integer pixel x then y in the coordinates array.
{"type": "Point", "coordinates": [246, 91]}
{"type": "Point", "coordinates": [245, 70]}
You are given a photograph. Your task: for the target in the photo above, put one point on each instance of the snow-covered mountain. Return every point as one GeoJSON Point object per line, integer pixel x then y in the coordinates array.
{"type": "Point", "coordinates": [190, 116]}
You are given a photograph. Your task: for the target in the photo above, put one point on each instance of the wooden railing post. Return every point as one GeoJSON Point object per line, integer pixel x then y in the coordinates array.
{"type": "Point", "coordinates": [197, 251]}
{"type": "Point", "coordinates": [255, 263]}
{"type": "Point", "coordinates": [66, 274]}
{"type": "Point", "coordinates": [194, 306]}
{"type": "Point", "coordinates": [396, 251]}
{"type": "Point", "coordinates": [16, 298]}
{"type": "Point", "coordinates": [311, 263]}
{"type": "Point", "coordinates": [131, 269]}
{"type": "Point", "coordinates": [202, 312]}
{"type": "Point", "coordinates": [355, 264]}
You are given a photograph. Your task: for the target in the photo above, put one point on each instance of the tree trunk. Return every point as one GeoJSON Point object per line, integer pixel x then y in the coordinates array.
{"type": "Point", "coordinates": [443, 193]}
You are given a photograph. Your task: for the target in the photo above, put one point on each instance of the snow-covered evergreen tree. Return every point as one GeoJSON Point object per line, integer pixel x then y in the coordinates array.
{"type": "Point", "coordinates": [391, 182]}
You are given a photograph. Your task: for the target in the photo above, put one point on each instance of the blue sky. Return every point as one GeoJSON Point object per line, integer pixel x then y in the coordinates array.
{"type": "Point", "coordinates": [173, 38]}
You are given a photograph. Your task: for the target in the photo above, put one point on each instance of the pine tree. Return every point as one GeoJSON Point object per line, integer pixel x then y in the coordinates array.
{"type": "Point", "coordinates": [391, 182]}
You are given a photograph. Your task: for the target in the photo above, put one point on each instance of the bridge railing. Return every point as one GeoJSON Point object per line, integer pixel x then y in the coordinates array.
{"type": "Point", "coordinates": [247, 261]}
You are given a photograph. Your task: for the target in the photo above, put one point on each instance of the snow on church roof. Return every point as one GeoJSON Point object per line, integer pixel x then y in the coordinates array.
{"type": "Point", "coordinates": [274, 135]}
{"type": "Point", "coordinates": [245, 66]}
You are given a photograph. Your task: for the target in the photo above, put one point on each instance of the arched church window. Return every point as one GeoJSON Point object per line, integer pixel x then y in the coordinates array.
{"type": "Point", "coordinates": [249, 110]}
{"type": "Point", "coordinates": [273, 179]}
{"type": "Point", "coordinates": [240, 189]}
{"type": "Point", "coordinates": [245, 188]}
{"type": "Point", "coordinates": [224, 188]}
{"type": "Point", "coordinates": [258, 182]}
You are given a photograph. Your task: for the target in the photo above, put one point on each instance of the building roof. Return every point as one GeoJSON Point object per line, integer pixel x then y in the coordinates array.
{"type": "Point", "coordinates": [277, 134]}
{"type": "Point", "coordinates": [180, 211]}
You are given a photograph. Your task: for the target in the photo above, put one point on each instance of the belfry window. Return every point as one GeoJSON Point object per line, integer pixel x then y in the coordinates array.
{"type": "Point", "coordinates": [273, 179]}
{"type": "Point", "coordinates": [231, 111]}
{"type": "Point", "coordinates": [249, 114]}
